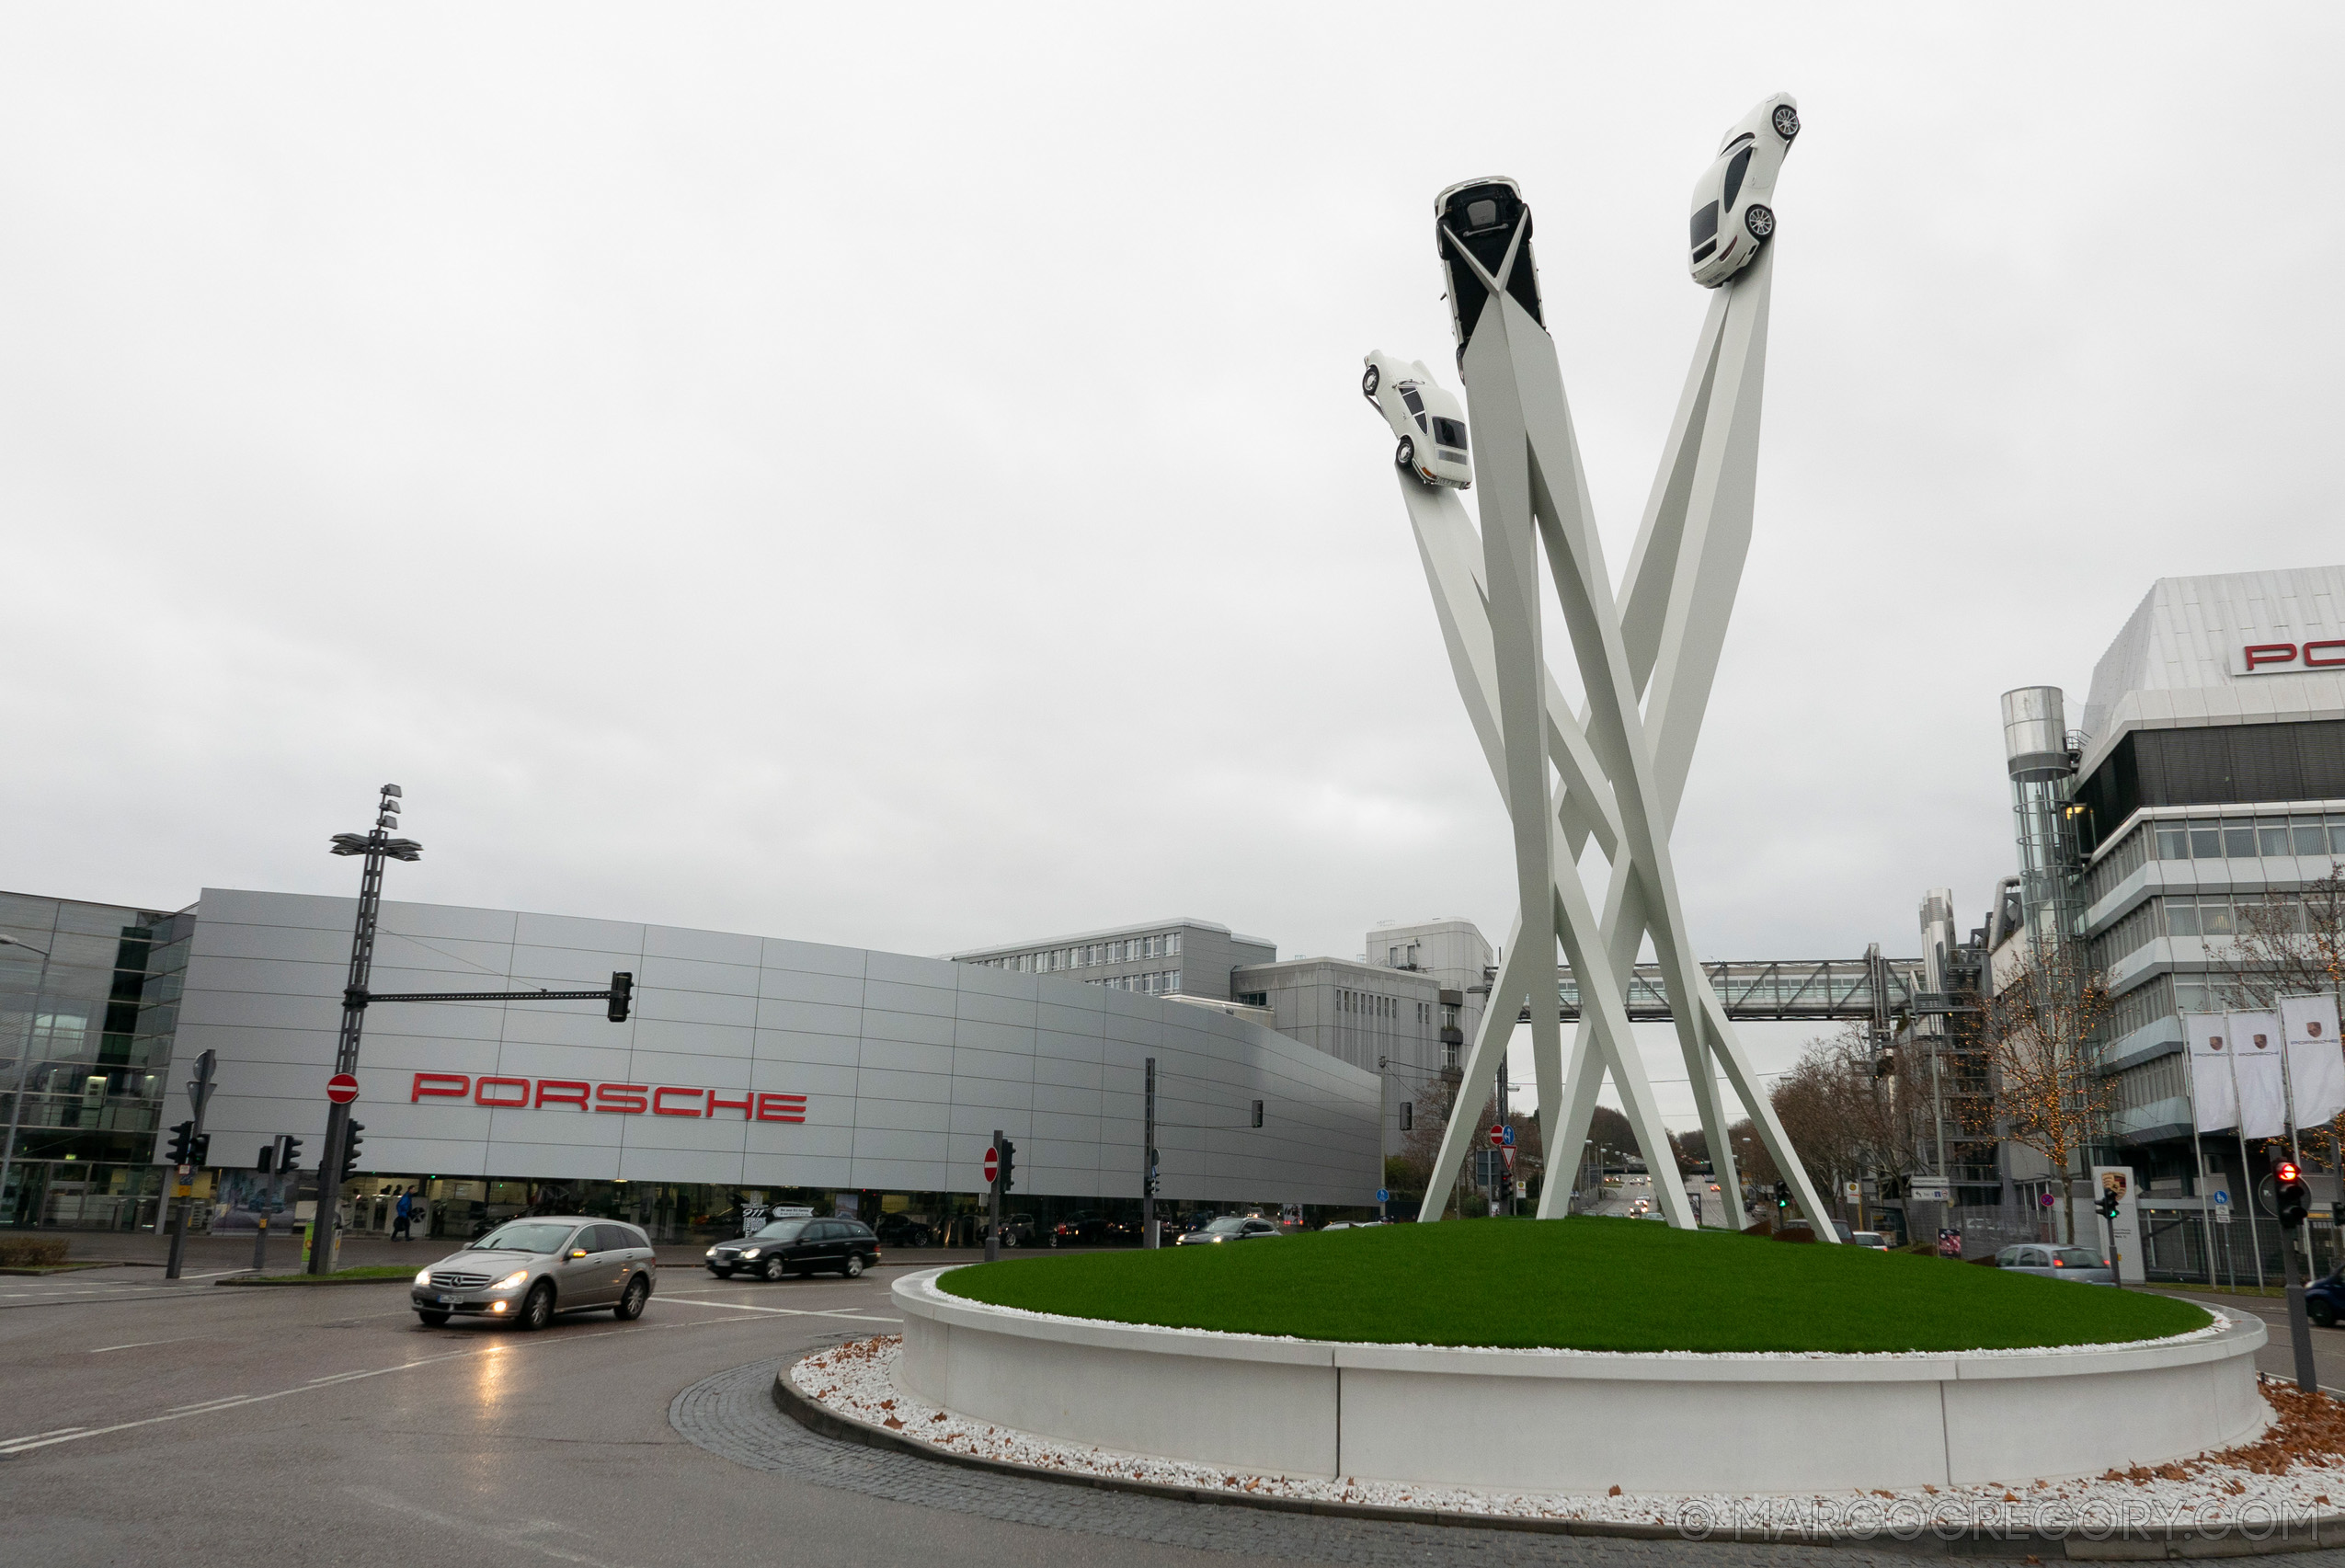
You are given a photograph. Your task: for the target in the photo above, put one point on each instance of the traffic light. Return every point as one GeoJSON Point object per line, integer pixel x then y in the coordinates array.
{"type": "Point", "coordinates": [2292, 1197]}
{"type": "Point", "coordinates": [199, 1149]}
{"type": "Point", "coordinates": [1008, 1151]}
{"type": "Point", "coordinates": [1783, 1195]}
{"type": "Point", "coordinates": [350, 1141]}
{"type": "Point", "coordinates": [290, 1159]}
{"type": "Point", "coordinates": [2107, 1206]}
{"type": "Point", "coordinates": [1408, 1115]}
{"type": "Point", "coordinates": [183, 1144]}
{"type": "Point", "coordinates": [1257, 1112]}
{"type": "Point", "coordinates": [623, 991]}
{"type": "Point", "coordinates": [268, 1158]}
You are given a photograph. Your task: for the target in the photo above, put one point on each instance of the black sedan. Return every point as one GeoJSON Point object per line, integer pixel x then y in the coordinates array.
{"type": "Point", "coordinates": [1230, 1227]}
{"type": "Point", "coordinates": [799, 1247]}
{"type": "Point", "coordinates": [903, 1230]}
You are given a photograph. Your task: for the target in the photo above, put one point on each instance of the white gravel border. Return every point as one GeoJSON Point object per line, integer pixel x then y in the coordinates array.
{"type": "Point", "coordinates": [857, 1381]}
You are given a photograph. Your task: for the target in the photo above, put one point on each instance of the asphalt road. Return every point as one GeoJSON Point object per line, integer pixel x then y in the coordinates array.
{"type": "Point", "coordinates": [146, 1422]}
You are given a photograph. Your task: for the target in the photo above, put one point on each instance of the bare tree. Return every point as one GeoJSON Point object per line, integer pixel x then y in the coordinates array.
{"type": "Point", "coordinates": [2292, 943]}
{"type": "Point", "coordinates": [2045, 1090]}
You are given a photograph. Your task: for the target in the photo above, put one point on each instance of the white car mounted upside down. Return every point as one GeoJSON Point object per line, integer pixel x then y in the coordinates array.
{"type": "Point", "coordinates": [1427, 420]}
{"type": "Point", "coordinates": [1733, 215]}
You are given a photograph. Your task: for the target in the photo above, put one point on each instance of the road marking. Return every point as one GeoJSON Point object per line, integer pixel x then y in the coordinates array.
{"type": "Point", "coordinates": [11, 1447]}
{"type": "Point", "coordinates": [144, 1344]}
{"type": "Point", "coordinates": [779, 1312]}
{"type": "Point", "coordinates": [522, 1534]}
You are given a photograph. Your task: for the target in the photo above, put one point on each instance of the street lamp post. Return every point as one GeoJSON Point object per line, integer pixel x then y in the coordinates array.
{"type": "Point", "coordinates": [24, 1066]}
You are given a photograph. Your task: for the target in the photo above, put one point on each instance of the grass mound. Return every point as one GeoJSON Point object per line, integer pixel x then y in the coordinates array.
{"type": "Point", "coordinates": [1581, 1284]}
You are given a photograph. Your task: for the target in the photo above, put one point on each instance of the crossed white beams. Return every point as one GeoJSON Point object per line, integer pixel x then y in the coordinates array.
{"type": "Point", "coordinates": [1621, 771]}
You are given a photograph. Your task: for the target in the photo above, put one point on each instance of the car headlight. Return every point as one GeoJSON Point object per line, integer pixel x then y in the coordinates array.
{"type": "Point", "coordinates": [511, 1280]}
{"type": "Point", "coordinates": [423, 1276]}
{"type": "Point", "coordinates": [749, 1252]}
{"type": "Point", "coordinates": [710, 1253]}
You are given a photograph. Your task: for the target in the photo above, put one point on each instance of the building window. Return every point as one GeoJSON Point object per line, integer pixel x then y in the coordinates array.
{"type": "Point", "coordinates": [1173, 980]}
{"type": "Point", "coordinates": [1173, 946]}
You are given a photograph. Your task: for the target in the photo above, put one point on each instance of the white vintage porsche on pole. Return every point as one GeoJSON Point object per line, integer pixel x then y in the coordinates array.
{"type": "Point", "coordinates": [1734, 212]}
{"type": "Point", "coordinates": [1430, 424]}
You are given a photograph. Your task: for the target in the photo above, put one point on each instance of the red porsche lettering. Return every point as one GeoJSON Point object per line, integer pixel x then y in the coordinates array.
{"type": "Point", "coordinates": [781, 1107]}
{"type": "Point", "coordinates": [717, 1102]}
{"type": "Point", "coordinates": [660, 1108]}
{"type": "Point", "coordinates": [561, 1091]}
{"type": "Point", "coordinates": [481, 1095]}
{"type": "Point", "coordinates": [441, 1086]}
{"type": "Point", "coordinates": [626, 1099]}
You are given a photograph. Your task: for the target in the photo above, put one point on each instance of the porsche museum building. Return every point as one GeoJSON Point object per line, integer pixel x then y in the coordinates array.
{"type": "Point", "coordinates": [753, 1073]}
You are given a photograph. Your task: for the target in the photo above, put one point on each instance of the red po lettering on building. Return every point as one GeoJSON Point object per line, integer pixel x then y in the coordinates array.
{"type": "Point", "coordinates": [503, 1093]}
{"type": "Point", "coordinates": [2275, 658]}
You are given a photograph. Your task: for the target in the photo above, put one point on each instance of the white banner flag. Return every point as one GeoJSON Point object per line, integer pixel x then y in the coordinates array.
{"type": "Point", "coordinates": [2254, 1041]}
{"type": "Point", "coordinates": [2316, 1063]}
{"type": "Point", "coordinates": [2214, 1104]}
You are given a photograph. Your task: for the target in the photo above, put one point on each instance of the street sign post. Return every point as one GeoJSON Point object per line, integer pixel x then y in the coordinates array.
{"type": "Point", "coordinates": [342, 1088]}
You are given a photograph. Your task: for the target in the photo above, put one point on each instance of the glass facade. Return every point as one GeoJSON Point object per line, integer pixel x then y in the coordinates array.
{"type": "Point", "coordinates": [85, 1042]}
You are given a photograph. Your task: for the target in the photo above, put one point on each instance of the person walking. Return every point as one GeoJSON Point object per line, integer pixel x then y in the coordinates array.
{"type": "Point", "coordinates": [403, 1217]}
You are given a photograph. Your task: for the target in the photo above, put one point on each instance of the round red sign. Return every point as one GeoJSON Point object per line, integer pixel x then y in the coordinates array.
{"type": "Point", "coordinates": [341, 1088]}
{"type": "Point", "coordinates": [992, 1167]}
{"type": "Point", "coordinates": [1497, 1134]}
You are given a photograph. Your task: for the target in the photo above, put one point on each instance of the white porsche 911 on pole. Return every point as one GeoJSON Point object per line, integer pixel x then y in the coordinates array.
{"type": "Point", "coordinates": [1431, 426]}
{"type": "Point", "coordinates": [1733, 210]}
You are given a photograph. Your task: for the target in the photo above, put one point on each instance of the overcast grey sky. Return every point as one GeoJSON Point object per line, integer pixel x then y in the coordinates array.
{"type": "Point", "coordinates": [903, 482]}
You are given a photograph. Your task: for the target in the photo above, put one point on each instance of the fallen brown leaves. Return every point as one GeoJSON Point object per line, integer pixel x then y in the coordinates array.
{"type": "Point", "coordinates": [2306, 1429]}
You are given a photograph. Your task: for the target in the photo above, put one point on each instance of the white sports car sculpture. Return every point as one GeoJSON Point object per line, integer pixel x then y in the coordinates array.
{"type": "Point", "coordinates": [1431, 425]}
{"type": "Point", "coordinates": [1731, 215]}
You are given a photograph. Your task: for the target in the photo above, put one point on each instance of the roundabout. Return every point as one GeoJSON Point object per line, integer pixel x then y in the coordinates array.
{"type": "Point", "coordinates": [1804, 1371]}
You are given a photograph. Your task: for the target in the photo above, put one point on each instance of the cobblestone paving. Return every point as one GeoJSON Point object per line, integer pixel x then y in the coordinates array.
{"type": "Point", "coordinates": [732, 1415]}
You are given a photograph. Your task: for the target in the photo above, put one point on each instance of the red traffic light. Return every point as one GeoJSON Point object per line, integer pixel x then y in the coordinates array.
{"type": "Point", "coordinates": [2286, 1171]}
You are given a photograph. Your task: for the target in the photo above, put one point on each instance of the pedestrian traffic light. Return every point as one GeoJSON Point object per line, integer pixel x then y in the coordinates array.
{"type": "Point", "coordinates": [2293, 1198]}
{"type": "Point", "coordinates": [183, 1143]}
{"type": "Point", "coordinates": [290, 1159]}
{"type": "Point", "coordinates": [1008, 1151]}
{"type": "Point", "coordinates": [199, 1149]}
{"type": "Point", "coordinates": [1783, 1195]}
{"type": "Point", "coordinates": [622, 991]}
{"type": "Point", "coordinates": [2106, 1207]}
{"type": "Point", "coordinates": [350, 1143]}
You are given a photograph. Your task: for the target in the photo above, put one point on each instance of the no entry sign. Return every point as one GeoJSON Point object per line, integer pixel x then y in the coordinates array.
{"type": "Point", "coordinates": [992, 1167]}
{"type": "Point", "coordinates": [341, 1088]}
{"type": "Point", "coordinates": [1497, 1134]}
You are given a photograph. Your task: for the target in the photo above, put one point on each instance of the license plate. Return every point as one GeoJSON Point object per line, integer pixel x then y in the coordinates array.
{"type": "Point", "coordinates": [445, 1300]}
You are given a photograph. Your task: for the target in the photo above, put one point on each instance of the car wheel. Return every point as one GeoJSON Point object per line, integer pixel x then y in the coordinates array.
{"type": "Point", "coordinates": [774, 1269]}
{"type": "Point", "coordinates": [538, 1311]}
{"type": "Point", "coordinates": [854, 1266]}
{"type": "Point", "coordinates": [631, 1301]}
{"type": "Point", "coordinates": [2321, 1312]}
{"type": "Point", "coordinates": [433, 1320]}
{"type": "Point", "coordinates": [1759, 220]}
{"type": "Point", "coordinates": [1369, 382]}
{"type": "Point", "coordinates": [1405, 455]}
{"type": "Point", "coordinates": [919, 1238]}
{"type": "Point", "coordinates": [1010, 1239]}
{"type": "Point", "coordinates": [1786, 120]}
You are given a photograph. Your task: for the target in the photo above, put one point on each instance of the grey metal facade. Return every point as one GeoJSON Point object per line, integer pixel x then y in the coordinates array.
{"type": "Point", "coordinates": [905, 1065]}
{"type": "Point", "coordinates": [1193, 957]}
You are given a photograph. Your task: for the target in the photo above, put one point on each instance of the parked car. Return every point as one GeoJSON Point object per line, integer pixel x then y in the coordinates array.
{"type": "Point", "coordinates": [2325, 1299]}
{"type": "Point", "coordinates": [1733, 215]}
{"type": "Point", "coordinates": [2057, 1262]}
{"type": "Point", "coordinates": [1020, 1230]}
{"type": "Point", "coordinates": [1089, 1227]}
{"type": "Point", "coordinates": [525, 1271]}
{"type": "Point", "coordinates": [1228, 1228]}
{"type": "Point", "coordinates": [903, 1230]}
{"type": "Point", "coordinates": [799, 1247]}
{"type": "Point", "coordinates": [1873, 1240]}
{"type": "Point", "coordinates": [1426, 419]}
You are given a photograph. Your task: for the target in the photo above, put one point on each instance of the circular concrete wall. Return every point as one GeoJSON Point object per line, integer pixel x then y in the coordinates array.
{"type": "Point", "coordinates": [1581, 1421]}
